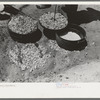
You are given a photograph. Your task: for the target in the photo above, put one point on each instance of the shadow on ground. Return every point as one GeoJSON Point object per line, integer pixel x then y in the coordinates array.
{"type": "Point", "coordinates": [80, 17]}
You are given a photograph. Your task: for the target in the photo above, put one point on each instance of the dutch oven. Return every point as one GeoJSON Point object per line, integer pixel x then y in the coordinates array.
{"type": "Point", "coordinates": [72, 44]}
{"type": "Point", "coordinates": [30, 37]}
{"type": "Point", "coordinates": [49, 32]}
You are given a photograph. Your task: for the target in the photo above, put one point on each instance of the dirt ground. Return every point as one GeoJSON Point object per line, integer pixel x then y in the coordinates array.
{"type": "Point", "coordinates": [62, 65]}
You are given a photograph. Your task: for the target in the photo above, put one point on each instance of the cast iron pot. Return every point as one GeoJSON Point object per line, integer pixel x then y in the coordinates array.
{"type": "Point", "coordinates": [51, 33]}
{"type": "Point", "coordinates": [4, 19]}
{"type": "Point", "coordinates": [72, 45]}
{"type": "Point", "coordinates": [43, 6]}
{"type": "Point", "coordinates": [31, 37]}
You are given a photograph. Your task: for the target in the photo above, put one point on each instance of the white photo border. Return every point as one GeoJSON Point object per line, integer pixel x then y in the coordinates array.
{"type": "Point", "coordinates": [50, 90]}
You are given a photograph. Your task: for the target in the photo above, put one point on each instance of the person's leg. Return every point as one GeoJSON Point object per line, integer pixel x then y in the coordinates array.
{"type": "Point", "coordinates": [70, 11]}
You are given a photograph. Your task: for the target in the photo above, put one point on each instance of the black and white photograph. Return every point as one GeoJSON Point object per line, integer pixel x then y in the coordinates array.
{"type": "Point", "coordinates": [49, 43]}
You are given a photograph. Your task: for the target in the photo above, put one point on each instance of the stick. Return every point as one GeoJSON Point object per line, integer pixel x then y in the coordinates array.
{"type": "Point", "coordinates": [55, 12]}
